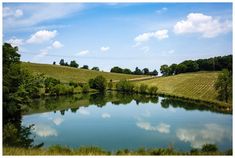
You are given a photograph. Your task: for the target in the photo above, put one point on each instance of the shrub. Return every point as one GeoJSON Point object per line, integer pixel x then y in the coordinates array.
{"type": "Point", "coordinates": [209, 148]}
{"type": "Point", "coordinates": [71, 83]}
{"type": "Point", "coordinates": [153, 90]}
{"type": "Point", "coordinates": [99, 83]}
{"type": "Point", "coordinates": [110, 84]}
{"type": "Point", "coordinates": [85, 88]}
{"type": "Point", "coordinates": [49, 83]}
{"type": "Point", "coordinates": [125, 86]}
{"type": "Point", "coordinates": [61, 89]}
{"type": "Point", "coordinates": [143, 88]}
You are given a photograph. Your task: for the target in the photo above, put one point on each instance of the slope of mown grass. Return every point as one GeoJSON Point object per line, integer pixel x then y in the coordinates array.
{"type": "Point", "coordinates": [198, 85]}
{"type": "Point", "coordinates": [66, 74]}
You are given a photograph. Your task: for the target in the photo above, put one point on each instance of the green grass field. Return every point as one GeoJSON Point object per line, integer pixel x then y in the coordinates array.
{"type": "Point", "coordinates": [66, 74]}
{"type": "Point", "coordinates": [198, 85]}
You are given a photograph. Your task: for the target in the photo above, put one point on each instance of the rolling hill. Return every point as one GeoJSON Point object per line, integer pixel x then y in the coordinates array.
{"type": "Point", "coordinates": [199, 85]}
{"type": "Point", "coordinates": [66, 74]}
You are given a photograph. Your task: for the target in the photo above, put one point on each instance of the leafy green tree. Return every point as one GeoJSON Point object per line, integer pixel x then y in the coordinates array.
{"type": "Point", "coordinates": [95, 68]}
{"type": "Point", "coordinates": [74, 64]}
{"type": "Point", "coordinates": [127, 71]}
{"type": "Point", "coordinates": [54, 63]}
{"type": "Point", "coordinates": [49, 83]}
{"type": "Point", "coordinates": [180, 68]}
{"type": "Point", "coordinates": [137, 71]}
{"type": "Point", "coordinates": [145, 71]}
{"type": "Point", "coordinates": [99, 83]}
{"type": "Point", "coordinates": [173, 69]}
{"type": "Point", "coordinates": [116, 69]}
{"type": "Point", "coordinates": [154, 72]}
{"type": "Point", "coordinates": [165, 70]}
{"type": "Point", "coordinates": [62, 62]}
{"type": "Point", "coordinates": [224, 85]}
{"type": "Point", "coordinates": [125, 86]}
{"type": "Point", "coordinates": [85, 67]}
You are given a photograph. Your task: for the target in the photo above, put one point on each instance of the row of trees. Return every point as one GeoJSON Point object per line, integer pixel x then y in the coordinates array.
{"type": "Point", "coordinates": [137, 71]}
{"type": "Point", "coordinates": [74, 64]}
{"type": "Point", "coordinates": [212, 64]}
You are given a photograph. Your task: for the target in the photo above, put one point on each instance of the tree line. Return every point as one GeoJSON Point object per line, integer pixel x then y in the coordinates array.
{"type": "Point", "coordinates": [211, 64]}
{"type": "Point", "coordinates": [137, 71]}
{"type": "Point", "coordinates": [74, 64]}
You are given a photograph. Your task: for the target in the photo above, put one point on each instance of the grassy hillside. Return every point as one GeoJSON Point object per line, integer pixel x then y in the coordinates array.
{"type": "Point", "coordinates": [198, 85]}
{"type": "Point", "coordinates": [67, 74]}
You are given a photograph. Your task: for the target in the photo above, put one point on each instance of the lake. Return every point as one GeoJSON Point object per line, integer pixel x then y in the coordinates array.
{"type": "Point", "coordinates": [117, 121]}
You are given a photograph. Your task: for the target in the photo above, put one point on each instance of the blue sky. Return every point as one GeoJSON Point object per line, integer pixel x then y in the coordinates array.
{"type": "Point", "coordinates": [118, 34]}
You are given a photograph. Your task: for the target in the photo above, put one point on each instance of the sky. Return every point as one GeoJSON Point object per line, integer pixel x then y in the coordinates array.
{"type": "Point", "coordinates": [127, 35]}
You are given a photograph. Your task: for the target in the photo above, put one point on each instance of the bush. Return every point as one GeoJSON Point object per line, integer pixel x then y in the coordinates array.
{"type": "Point", "coordinates": [49, 83]}
{"type": "Point", "coordinates": [71, 83]}
{"type": "Point", "coordinates": [85, 88]}
{"type": "Point", "coordinates": [143, 88]}
{"type": "Point", "coordinates": [209, 148]}
{"type": "Point", "coordinates": [125, 86]}
{"type": "Point", "coordinates": [61, 89]}
{"type": "Point", "coordinates": [110, 85]}
{"type": "Point", "coordinates": [153, 90]}
{"type": "Point", "coordinates": [99, 83]}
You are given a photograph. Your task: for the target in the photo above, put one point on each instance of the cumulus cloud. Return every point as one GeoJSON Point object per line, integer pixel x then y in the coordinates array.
{"type": "Point", "coordinates": [57, 121]}
{"type": "Point", "coordinates": [8, 12]}
{"type": "Point", "coordinates": [42, 36]}
{"type": "Point", "coordinates": [104, 49]}
{"type": "Point", "coordinates": [162, 127]}
{"type": "Point", "coordinates": [82, 53]}
{"type": "Point", "coordinates": [44, 130]}
{"type": "Point", "coordinates": [160, 34]}
{"type": "Point", "coordinates": [210, 133]}
{"type": "Point", "coordinates": [206, 25]}
{"type": "Point", "coordinates": [57, 44]}
{"type": "Point", "coordinates": [105, 115]}
{"type": "Point", "coordinates": [82, 111]}
{"type": "Point", "coordinates": [15, 41]}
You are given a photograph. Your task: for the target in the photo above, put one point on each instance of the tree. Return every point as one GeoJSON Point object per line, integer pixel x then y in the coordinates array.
{"type": "Point", "coordinates": [145, 71]}
{"type": "Point", "coordinates": [95, 68]}
{"type": "Point", "coordinates": [66, 64]}
{"type": "Point", "coordinates": [181, 68]}
{"type": "Point", "coordinates": [127, 71]}
{"type": "Point", "coordinates": [173, 69]}
{"type": "Point", "coordinates": [62, 62]}
{"type": "Point", "coordinates": [154, 72]}
{"type": "Point", "coordinates": [54, 63]}
{"type": "Point", "coordinates": [137, 71]}
{"type": "Point", "coordinates": [85, 67]}
{"type": "Point", "coordinates": [165, 70]}
{"type": "Point", "coordinates": [99, 83]}
{"type": "Point", "coordinates": [73, 64]}
{"type": "Point", "coordinates": [116, 69]}
{"type": "Point", "coordinates": [191, 66]}
{"type": "Point", "coordinates": [224, 85]}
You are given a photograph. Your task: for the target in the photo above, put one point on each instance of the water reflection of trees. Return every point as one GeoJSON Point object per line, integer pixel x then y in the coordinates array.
{"type": "Point", "coordinates": [190, 105]}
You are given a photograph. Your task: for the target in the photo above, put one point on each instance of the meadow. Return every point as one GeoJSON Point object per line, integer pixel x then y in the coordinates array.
{"type": "Point", "coordinates": [66, 74]}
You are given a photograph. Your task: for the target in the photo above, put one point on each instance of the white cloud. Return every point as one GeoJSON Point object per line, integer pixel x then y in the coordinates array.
{"type": "Point", "coordinates": [145, 49]}
{"type": "Point", "coordinates": [199, 23]}
{"type": "Point", "coordinates": [57, 121]}
{"type": "Point", "coordinates": [36, 14]}
{"type": "Point", "coordinates": [104, 49]}
{"type": "Point", "coordinates": [8, 12]}
{"type": "Point", "coordinates": [210, 133]}
{"type": "Point", "coordinates": [82, 53]}
{"type": "Point", "coordinates": [44, 130]}
{"type": "Point", "coordinates": [82, 111]}
{"type": "Point", "coordinates": [160, 34]}
{"type": "Point", "coordinates": [15, 41]}
{"type": "Point", "coordinates": [42, 36]}
{"type": "Point", "coordinates": [57, 45]}
{"type": "Point", "coordinates": [162, 127]}
{"type": "Point", "coordinates": [162, 10]}
{"type": "Point", "coordinates": [105, 115]}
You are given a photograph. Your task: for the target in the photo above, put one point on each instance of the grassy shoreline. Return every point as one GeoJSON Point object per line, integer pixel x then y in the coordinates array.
{"type": "Point", "coordinates": [93, 150]}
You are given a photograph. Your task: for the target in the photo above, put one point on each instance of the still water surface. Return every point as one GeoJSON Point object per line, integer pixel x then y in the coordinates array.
{"type": "Point", "coordinates": [117, 121]}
